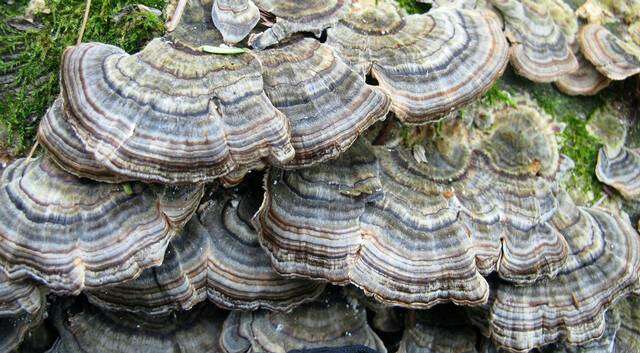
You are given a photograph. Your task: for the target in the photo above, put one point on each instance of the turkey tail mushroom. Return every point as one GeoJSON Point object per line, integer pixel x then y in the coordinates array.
{"type": "Point", "coordinates": [65, 148]}
{"type": "Point", "coordinates": [22, 307]}
{"type": "Point", "coordinates": [327, 103]}
{"type": "Point", "coordinates": [217, 257]}
{"type": "Point", "coordinates": [428, 64]}
{"type": "Point", "coordinates": [123, 108]}
{"type": "Point", "coordinates": [443, 329]}
{"type": "Point", "coordinates": [71, 233]}
{"type": "Point", "coordinates": [293, 16]}
{"type": "Point", "coordinates": [585, 81]}
{"type": "Point", "coordinates": [234, 18]}
{"type": "Point", "coordinates": [602, 267]}
{"type": "Point", "coordinates": [620, 171]}
{"type": "Point", "coordinates": [84, 328]}
{"type": "Point", "coordinates": [330, 321]}
{"type": "Point", "coordinates": [612, 56]}
{"type": "Point", "coordinates": [417, 233]}
{"type": "Point", "coordinates": [539, 50]}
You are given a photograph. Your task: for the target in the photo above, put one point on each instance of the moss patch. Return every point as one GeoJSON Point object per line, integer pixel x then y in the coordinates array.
{"type": "Point", "coordinates": [575, 140]}
{"type": "Point", "coordinates": [30, 59]}
{"type": "Point", "coordinates": [412, 6]}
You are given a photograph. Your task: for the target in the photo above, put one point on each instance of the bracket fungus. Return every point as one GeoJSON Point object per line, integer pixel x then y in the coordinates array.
{"type": "Point", "coordinates": [602, 267]}
{"type": "Point", "coordinates": [613, 57]}
{"type": "Point", "coordinates": [585, 81]}
{"type": "Point", "coordinates": [66, 149]}
{"type": "Point", "coordinates": [539, 50]}
{"type": "Point", "coordinates": [123, 108]}
{"type": "Point", "coordinates": [416, 233]}
{"type": "Point", "coordinates": [428, 64]}
{"type": "Point", "coordinates": [84, 328]}
{"type": "Point", "coordinates": [70, 233]}
{"type": "Point", "coordinates": [234, 18]}
{"type": "Point", "coordinates": [22, 307]}
{"type": "Point", "coordinates": [620, 171]}
{"type": "Point", "coordinates": [218, 257]}
{"type": "Point", "coordinates": [327, 103]}
{"type": "Point", "coordinates": [443, 329]}
{"type": "Point", "coordinates": [293, 16]}
{"type": "Point", "coordinates": [330, 321]}
{"type": "Point", "coordinates": [627, 338]}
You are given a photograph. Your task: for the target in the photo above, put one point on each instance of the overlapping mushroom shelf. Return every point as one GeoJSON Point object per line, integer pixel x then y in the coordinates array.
{"type": "Point", "coordinates": [218, 257]}
{"type": "Point", "coordinates": [418, 232]}
{"type": "Point", "coordinates": [176, 113]}
{"type": "Point", "coordinates": [22, 307]}
{"type": "Point", "coordinates": [71, 233]}
{"type": "Point", "coordinates": [141, 227]}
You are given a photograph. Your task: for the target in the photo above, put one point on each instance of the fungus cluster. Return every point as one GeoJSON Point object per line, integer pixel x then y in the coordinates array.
{"type": "Point", "coordinates": [209, 192]}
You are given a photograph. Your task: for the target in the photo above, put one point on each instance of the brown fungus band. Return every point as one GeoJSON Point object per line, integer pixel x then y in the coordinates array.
{"type": "Point", "coordinates": [71, 233]}
{"type": "Point", "coordinates": [331, 321]}
{"type": "Point", "coordinates": [416, 233]}
{"type": "Point", "coordinates": [217, 257]}
{"type": "Point", "coordinates": [84, 328]}
{"type": "Point", "coordinates": [540, 50]}
{"type": "Point", "coordinates": [428, 64]}
{"type": "Point", "coordinates": [602, 267]}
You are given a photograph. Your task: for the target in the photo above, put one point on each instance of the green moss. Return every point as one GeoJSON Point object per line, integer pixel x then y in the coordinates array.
{"type": "Point", "coordinates": [32, 58]}
{"type": "Point", "coordinates": [575, 140]}
{"type": "Point", "coordinates": [497, 95]}
{"type": "Point", "coordinates": [412, 6]}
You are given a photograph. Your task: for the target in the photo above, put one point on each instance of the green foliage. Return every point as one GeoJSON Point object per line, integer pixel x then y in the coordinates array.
{"type": "Point", "coordinates": [32, 58]}
{"type": "Point", "coordinates": [413, 7]}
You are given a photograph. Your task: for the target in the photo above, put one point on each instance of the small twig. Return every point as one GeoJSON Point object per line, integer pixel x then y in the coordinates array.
{"type": "Point", "coordinates": [33, 150]}
{"type": "Point", "coordinates": [177, 14]}
{"type": "Point", "coordinates": [85, 19]}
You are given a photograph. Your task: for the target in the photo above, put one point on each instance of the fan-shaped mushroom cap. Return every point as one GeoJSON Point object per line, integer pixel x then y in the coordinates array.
{"type": "Point", "coordinates": [234, 18]}
{"type": "Point", "coordinates": [415, 233]}
{"type": "Point", "coordinates": [66, 149]}
{"type": "Point", "coordinates": [18, 296]}
{"type": "Point", "coordinates": [428, 64]}
{"type": "Point", "coordinates": [443, 329]}
{"type": "Point", "coordinates": [89, 329]}
{"type": "Point", "coordinates": [604, 344]}
{"type": "Point", "coordinates": [170, 114]}
{"type": "Point", "coordinates": [331, 322]}
{"type": "Point", "coordinates": [217, 257]}
{"type": "Point", "coordinates": [194, 27]}
{"type": "Point", "coordinates": [602, 267]}
{"type": "Point", "coordinates": [539, 48]}
{"type": "Point", "coordinates": [22, 307]}
{"type": "Point", "coordinates": [14, 329]}
{"type": "Point", "coordinates": [386, 318]}
{"type": "Point", "coordinates": [612, 56]}
{"type": "Point", "coordinates": [627, 338]}
{"type": "Point", "coordinates": [70, 233]}
{"type": "Point", "coordinates": [294, 16]}
{"type": "Point", "coordinates": [586, 81]}
{"type": "Point", "coordinates": [620, 171]}
{"type": "Point", "coordinates": [328, 104]}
